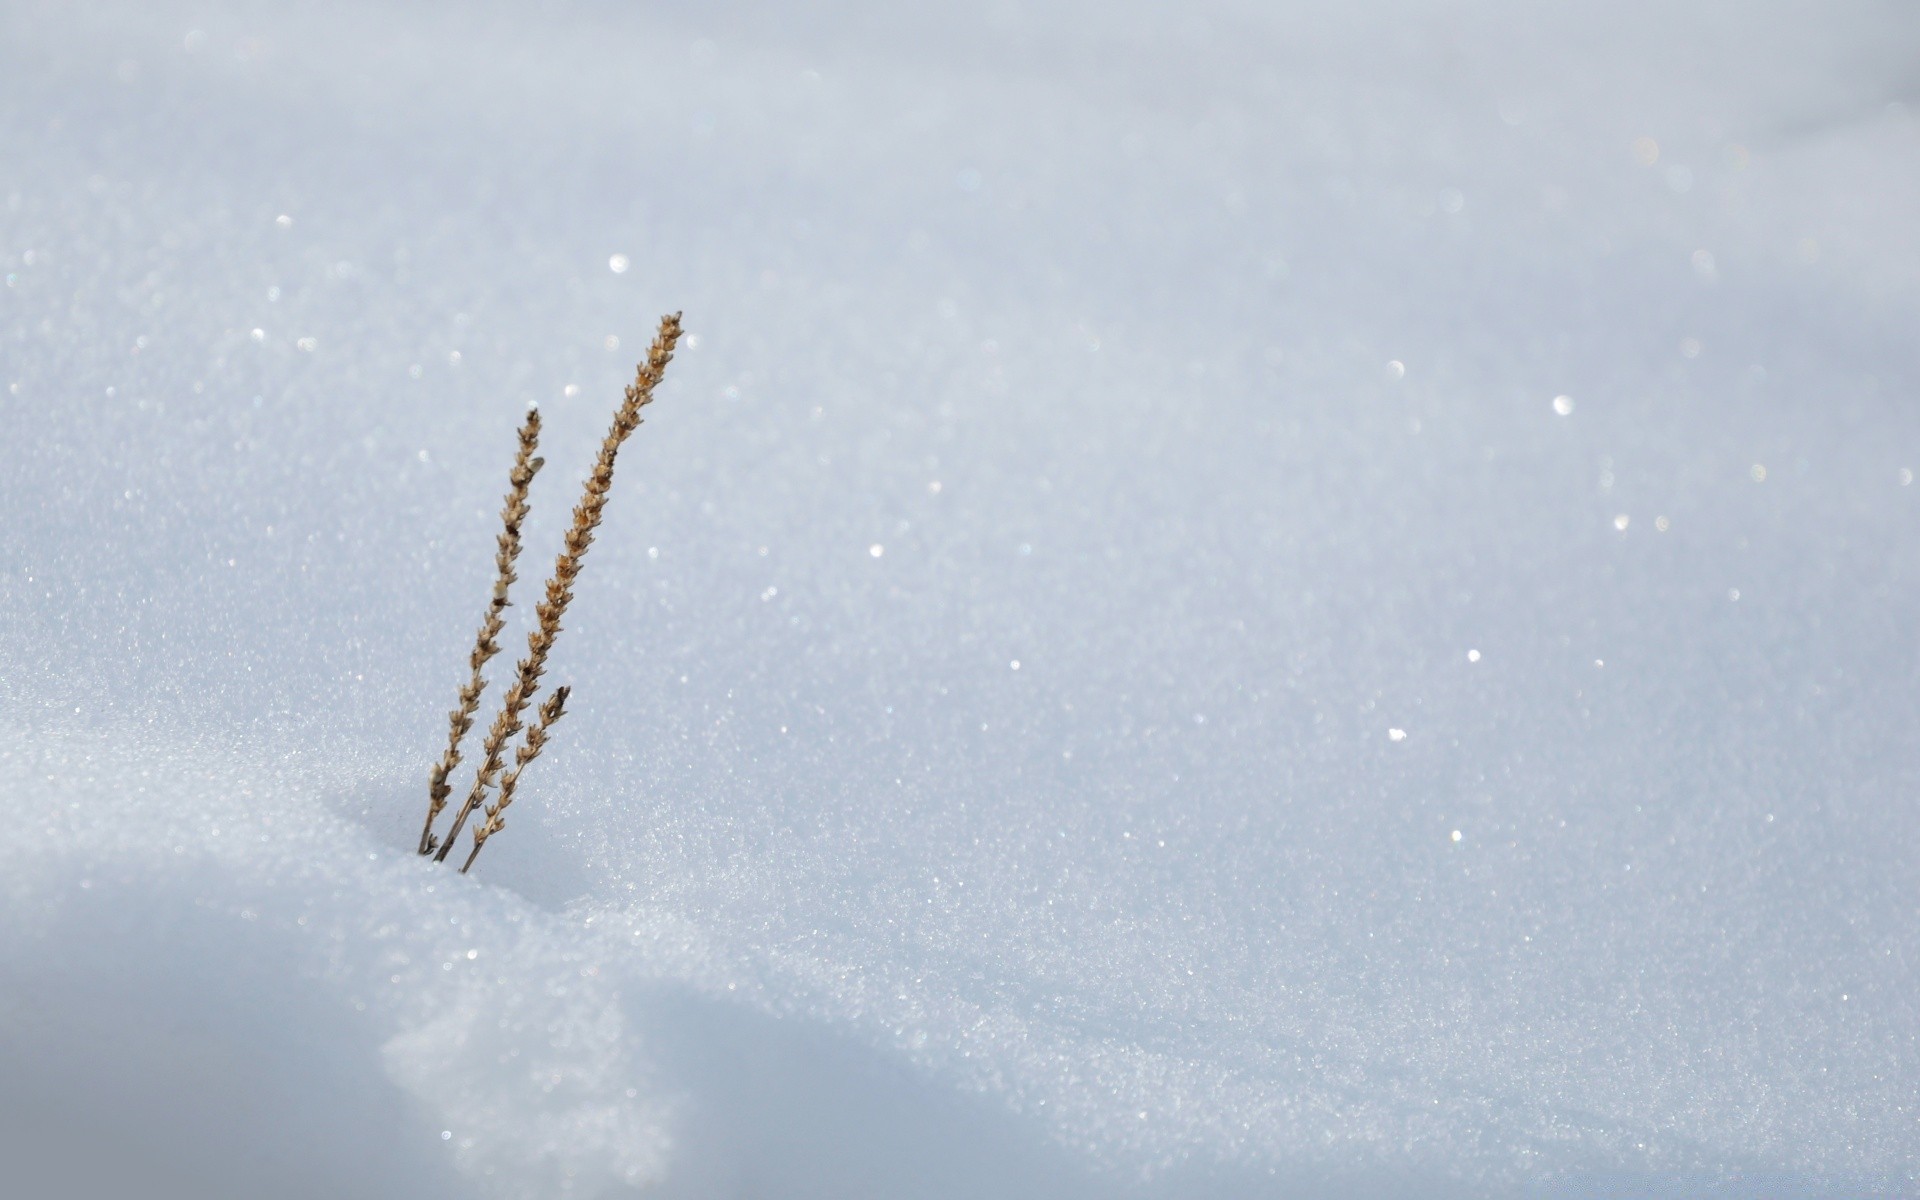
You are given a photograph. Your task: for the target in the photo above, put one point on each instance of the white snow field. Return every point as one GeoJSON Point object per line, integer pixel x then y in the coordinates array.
{"type": "Point", "coordinates": [1226, 600]}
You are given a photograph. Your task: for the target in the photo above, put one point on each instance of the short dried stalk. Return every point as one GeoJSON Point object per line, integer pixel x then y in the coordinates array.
{"type": "Point", "coordinates": [551, 711]}
{"type": "Point", "coordinates": [566, 569]}
{"type": "Point", "coordinates": [487, 644]}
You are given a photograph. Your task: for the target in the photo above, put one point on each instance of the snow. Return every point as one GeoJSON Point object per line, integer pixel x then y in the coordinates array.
{"type": "Point", "coordinates": [1233, 600]}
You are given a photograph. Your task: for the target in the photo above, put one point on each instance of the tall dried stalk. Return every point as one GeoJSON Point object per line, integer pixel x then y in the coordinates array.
{"type": "Point", "coordinates": [487, 644]}
{"type": "Point", "coordinates": [551, 711]}
{"type": "Point", "coordinates": [566, 569]}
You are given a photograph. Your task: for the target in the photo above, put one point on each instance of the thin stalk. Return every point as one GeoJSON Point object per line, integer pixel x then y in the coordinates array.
{"type": "Point", "coordinates": [487, 644]}
{"type": "Point", "coordinates": [551, 711]}
{"type": "Point", "coordinates": [566, 569]}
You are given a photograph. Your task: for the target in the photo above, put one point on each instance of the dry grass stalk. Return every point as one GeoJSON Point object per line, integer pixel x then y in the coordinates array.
{"type": "Point", "coordinates": [566, 569]}
{"type": "Point", "coordinates": [551, 711]}
{"type": "Point", "coordinates": [487, 644]}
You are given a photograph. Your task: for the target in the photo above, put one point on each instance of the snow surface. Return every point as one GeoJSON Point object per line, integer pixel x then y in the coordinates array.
{"type": "Point", "coordinates": [1228, 599]}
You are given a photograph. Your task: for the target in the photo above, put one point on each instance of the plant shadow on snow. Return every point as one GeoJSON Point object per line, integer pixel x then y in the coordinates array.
{"type": "Point", "coordinates": [532, 860]}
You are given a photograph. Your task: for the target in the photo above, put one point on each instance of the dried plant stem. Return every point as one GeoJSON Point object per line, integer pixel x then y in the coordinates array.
{"type": "Point", "coordinates": [487, 644]}
{"type": "Point", "coordinates": [566, 569]}
{"type": "Point", "coordinates": [551, 711]}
